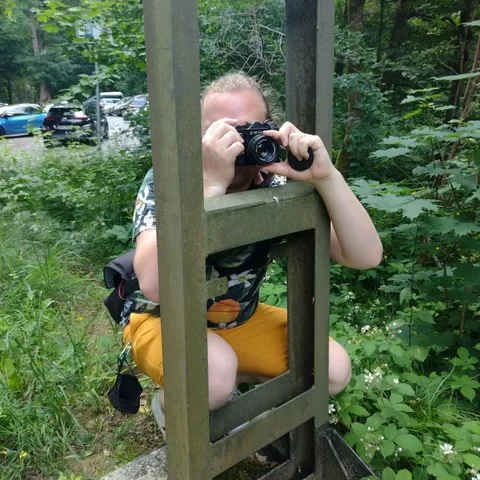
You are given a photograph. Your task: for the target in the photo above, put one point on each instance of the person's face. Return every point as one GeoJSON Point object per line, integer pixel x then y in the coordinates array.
{"type": "Point", "coordinates": [246, 106]}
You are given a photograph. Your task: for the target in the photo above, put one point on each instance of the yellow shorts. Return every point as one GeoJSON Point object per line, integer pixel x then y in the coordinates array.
{"type": "Point", "coordinates": [261, 343]}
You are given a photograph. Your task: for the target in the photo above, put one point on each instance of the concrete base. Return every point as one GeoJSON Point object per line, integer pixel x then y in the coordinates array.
{"type": "Point", "coordinates": [152, 466]}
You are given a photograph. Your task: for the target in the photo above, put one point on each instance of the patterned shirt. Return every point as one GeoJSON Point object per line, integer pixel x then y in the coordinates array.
{"type": "Point", "coordinates": [244, 267]}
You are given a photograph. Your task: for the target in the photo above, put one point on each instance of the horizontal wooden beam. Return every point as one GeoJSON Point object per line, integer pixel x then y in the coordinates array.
{"type": "Point", "coordinates": [242, 219]}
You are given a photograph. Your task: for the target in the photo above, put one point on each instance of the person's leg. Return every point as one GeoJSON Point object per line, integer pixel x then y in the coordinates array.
{"type": "Point", "coordinates": [144, 331]}
{"type": "Point", "coordinates": [261, 345]}
{"type": "Point", "coordinates": [339, 368]}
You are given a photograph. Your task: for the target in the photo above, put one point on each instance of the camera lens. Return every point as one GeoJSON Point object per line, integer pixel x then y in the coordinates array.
{"type": "Point", "coordinates": [263, 149]}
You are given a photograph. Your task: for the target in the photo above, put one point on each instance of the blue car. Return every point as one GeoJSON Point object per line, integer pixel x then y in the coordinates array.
{"type": "Point", "coordinates": [19, 119]}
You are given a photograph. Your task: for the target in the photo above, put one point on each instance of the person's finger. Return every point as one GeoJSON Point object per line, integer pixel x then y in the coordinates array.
{"type": "Point", "coordinates": [276, 135]}
{"type": "Point", "coordinates": [277, 169]}
{"type": "Point", "coordinates": [221, 130]}
{"type": "Point", "coordinates": [304, 144]}
{"type": "Point", "coordinates": [293, 140]}
{"type": "Point", "coordinates": [281, 136]}
{"type": "Point", "coordinates": [286, 130]}
{"type": "Point", "coordinates": [235, 149]}
{"type": "Point", "coordinates": [219, 127]}
{"type": "Point", "coordinates": [230, 137]}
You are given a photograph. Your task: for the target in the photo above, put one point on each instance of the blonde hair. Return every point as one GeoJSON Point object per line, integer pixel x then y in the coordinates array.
{"type": "Point", "coordinates": [241, 81]}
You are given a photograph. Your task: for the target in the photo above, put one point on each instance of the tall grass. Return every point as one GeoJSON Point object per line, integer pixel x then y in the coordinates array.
{"type": "Point", "coordinates": [62, 214]}
{"type": "Point", "coordinates": [47, 358]}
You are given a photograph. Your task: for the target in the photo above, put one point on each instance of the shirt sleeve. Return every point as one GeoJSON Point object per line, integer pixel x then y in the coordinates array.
{"type": "Point", "coordinates": [144, 214]}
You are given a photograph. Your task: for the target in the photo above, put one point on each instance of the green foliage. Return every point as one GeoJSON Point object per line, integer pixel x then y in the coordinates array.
{"type": "Point", "coordinates": [89, 191]}
{"type": "Point", "coordinates": [51, 369]}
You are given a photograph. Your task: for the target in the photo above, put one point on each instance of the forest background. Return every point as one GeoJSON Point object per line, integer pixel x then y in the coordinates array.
{"type": "Point", "coordinates": [406, 136]}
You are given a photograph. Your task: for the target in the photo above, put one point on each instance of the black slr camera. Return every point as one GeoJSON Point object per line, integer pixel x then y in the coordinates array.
{"type": "Point", "coordinates": [259, 149]}
{"type": "Point", "coordinates": [263, 150]}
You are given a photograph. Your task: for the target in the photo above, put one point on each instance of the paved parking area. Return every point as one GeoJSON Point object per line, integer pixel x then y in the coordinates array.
{"type": "Point", "coordinates": [120, 137]}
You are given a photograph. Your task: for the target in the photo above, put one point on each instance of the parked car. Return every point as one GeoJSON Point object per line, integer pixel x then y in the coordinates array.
{"type": "Point", "coordinates": [67, 122]}
{"type": "Point", "coordinates": [106, 98]}
{"type": "Point", "coordinates": [18, 119]}
{"type": "Point", "coordinates": [138, 102]}
{"type": "Point", "coordinates": [110, 105]}
{"type": "Point", "coordinates": [121, 106]}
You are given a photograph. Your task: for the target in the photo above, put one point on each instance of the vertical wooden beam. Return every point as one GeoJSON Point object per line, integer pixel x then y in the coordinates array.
{"type": "Point", "coordinates": [171, 34]}
{"type": "Point", "coordinates": [324, 72]}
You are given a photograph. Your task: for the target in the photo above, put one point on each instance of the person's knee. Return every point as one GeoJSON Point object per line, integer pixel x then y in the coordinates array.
{"type": "Point", "coordinates": [222, 371]}
{"type": "Point", "coordinates": [339, 369]}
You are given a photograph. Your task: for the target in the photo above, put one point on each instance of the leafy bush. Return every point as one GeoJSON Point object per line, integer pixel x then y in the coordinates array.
{"type": "Point", "coordinates": [89, 191]}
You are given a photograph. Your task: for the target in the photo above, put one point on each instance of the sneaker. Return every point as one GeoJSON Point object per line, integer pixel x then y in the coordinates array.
{"type": "Point", "coordinates": [235, 394]}
{"type": "Point", "coordinates": [159, 413]}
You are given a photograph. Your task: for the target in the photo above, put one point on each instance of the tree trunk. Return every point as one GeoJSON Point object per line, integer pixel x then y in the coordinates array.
{"type": "Point", "coordinates": [45, 94]}
{"type": "Point", "coordinates": [380, 30]}
{"type": "Point", "coordinates": [355, 20]}
{"type": "Point", "coordinates": [9, 90]}
{"type": "Point", "coordinates": [396, 37]}
{"type": "Point", "coordinates": [459, 64]}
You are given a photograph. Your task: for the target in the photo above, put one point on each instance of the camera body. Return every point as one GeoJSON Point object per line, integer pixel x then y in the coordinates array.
{"type": "Point", "coordinates": [259, 148]}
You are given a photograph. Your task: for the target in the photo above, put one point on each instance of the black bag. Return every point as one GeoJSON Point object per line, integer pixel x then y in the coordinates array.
{"type": "Point", "coordinates": [125, 393]}
{"type": "Point", "coordinates": [120, 276]}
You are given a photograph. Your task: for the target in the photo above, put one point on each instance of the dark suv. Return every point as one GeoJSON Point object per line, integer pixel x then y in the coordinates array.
{"type": "Point", "coordinates": [67, 122]}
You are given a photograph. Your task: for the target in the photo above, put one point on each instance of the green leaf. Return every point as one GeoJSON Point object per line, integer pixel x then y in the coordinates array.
{"type": "Point", "coordinates": [475, 23]}
{"type": "Point", "coordinates": [472, 460]}
{"type": "Point", "coordinates": [439, 224]}
{"type": "Point", "coordinates": [50, 28]}
{"type": "Point", "coordinates": [387, 448]}
{"type": "Point", "coordinates": [462, 353]}
{"type": "Point", "coordinates": [391, 152]}
{"type": "Point", "coordinates": [359, 428]}
{"type": "Point", "coordinates": [403, 475]}
{"type": "Point", "coordinates": [409, 442]}
{"type": "Point", "coordinates": [412, 113]}
{"type": "Point", "coordinates": [469, 183]}
{"type": "Point", "coordinates": [419, 353]}
{"type": "Point", "coordinates": [401, 407]}
{"type": "Point", "coordinates": [405, 389]}
{"type": "Point", "coordinates": [397, 350]}
{"type": "Point", "coordinates": [369, 348]}
{"type": "Point", "coordinates": [417, 206]}
{"type": "Point", "coordinates": [473, 427]}
{"type": "Point", "coordinates": [388, 474]}
{"type": "Point", "coordinates": [453, 78]}
{"type": "Point", "coordinates": [470, 274]}
{"type": "Point", "coordinates": [390, 431]}
{"type": "Point", "coordinates": [396, 398]}
{"type": "Point", "coordinates": [410, 99]}
{"type": "Point", "coordinates": [358, 410]}
{"type": "Point", "coordinates": [468, 392]}
{"type": "Point", "coordinates": [464, 228]}
{"type": "Point", "coordinates": [405, 293]}
{"type": "Point", "coordinates": [440, 472]}
{"type": "Point", "coordinates": [424, 316]}
{"type": "Point", "coordinates": [419, 474]}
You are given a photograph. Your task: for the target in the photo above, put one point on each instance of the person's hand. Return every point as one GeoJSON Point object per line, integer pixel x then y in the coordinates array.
{"type": "Point", "coordinates": [221, 145]}
{"type": "Point", "coordinates": [298, 143]}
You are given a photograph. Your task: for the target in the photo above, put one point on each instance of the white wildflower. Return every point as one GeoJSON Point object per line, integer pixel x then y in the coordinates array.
{"type": "Point", "coordinates": [396, 381]}
{"type": "Point", "coordinates": [446, 448]}
{"type": "Point", "coordinates": [331, 408]}
{"type": "Point", "coordinates": [365, 329]}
